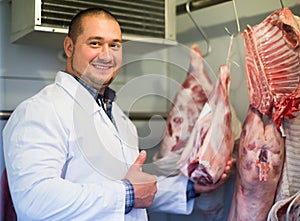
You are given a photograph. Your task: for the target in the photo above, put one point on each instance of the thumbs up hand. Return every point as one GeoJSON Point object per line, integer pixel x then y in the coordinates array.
{"type": "Point", "coordinates": [144, 184]}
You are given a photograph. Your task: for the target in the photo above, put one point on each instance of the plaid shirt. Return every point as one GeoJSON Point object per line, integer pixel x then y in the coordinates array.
{"type": "Point", "coordinates": [129, 200]}
{"type": "Point", "coordinates": [190, 191]}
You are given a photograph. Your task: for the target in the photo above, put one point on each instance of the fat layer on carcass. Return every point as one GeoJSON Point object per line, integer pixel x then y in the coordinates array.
{"type": "Point", "coordinates": [185, 110]}
{"type": "Point", "coordinates": [259, 165]}
{"type": "Point", "coordinates": [273, 65]}
{"type": "Point", "coordinates": [212, 141]}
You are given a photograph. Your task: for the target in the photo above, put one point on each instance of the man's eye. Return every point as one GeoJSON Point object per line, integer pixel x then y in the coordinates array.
{"type": "Point", "coordinates": [116, 46]}
{"type": "Point", "coordinates": [94, 43]}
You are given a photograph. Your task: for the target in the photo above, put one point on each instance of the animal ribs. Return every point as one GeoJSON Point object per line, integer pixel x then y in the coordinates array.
{"type": "Point", "coordinates": [273, 65]}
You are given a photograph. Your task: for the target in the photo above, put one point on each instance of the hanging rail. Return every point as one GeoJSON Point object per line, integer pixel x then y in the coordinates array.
{"type": "Point", "coordinates": [198, 4]}
{"type": "Point", "coordinates": [5, 114]}
{"type": "Point", "coordinates": [136, 116]}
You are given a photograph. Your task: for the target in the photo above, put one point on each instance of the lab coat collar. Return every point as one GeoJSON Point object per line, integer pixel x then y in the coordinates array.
{"type": "Point", "coordinates": [83, 97]}
{"type": "Point", "coordinates": [77, 91]}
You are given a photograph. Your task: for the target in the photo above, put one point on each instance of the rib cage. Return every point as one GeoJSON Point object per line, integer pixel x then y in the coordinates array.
{"type": "Point", "coordinates": [281, 64]}
{"type": "Point", "coordinates": [273, 65]}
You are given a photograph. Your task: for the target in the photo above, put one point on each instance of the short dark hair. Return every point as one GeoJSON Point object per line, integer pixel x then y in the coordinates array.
{"type": "Point", "coordinates": [75, 27]}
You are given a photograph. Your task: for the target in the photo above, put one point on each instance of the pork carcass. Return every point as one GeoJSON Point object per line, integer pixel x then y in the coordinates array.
{"type": "Point", "coordinates": [212, 141]}
{"type": "Point", "coordinates": [273, 65]}
{"type": "Point", "coordinates": [185, 110]}
{"type": "Point", "coordinates": [259, 165]}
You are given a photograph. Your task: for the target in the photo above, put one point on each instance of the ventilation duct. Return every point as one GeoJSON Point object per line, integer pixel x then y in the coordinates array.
{"type": "Point", "coordinates": [46, 21]}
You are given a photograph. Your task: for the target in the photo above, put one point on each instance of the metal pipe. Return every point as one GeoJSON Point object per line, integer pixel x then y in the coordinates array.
{"type": "Point", "coordinates": [136, 116]}
{"type": "Point", "coordinates": [195, 5]}
{"type": "Point", "coordinates": [4, 115]}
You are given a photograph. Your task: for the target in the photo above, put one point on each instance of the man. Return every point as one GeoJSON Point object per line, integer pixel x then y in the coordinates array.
{"type": "Point", "coordinates": [69, 158]}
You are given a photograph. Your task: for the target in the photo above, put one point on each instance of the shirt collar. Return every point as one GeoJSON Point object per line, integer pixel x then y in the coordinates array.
{"type": "Point", "coordinates": [109, 94]}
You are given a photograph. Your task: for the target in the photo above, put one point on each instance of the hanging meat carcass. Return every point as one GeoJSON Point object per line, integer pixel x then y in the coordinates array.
{"type": "Point", "coordinates": [259, 165]}
{"type": "Point", "coordinates": [185, 110]}
{"type": "Point", "coordinates": [187, 105]}
{"type": "Point", "coordinates": [273, 65]}
{"type": "Point", "coordinates": [273, 75]}
{"type": "Point", "coordinates": [212, 141]}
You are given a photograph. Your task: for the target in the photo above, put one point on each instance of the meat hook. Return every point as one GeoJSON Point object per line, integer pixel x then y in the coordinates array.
{"type": "Point", "coordinates": [187, 8]}
{"type": "Point", "coordinates": [282, 5]}
{"type": "Point", "coordinates": [233, 35]}
{"type": "Point", "coordinates": [236, 20]}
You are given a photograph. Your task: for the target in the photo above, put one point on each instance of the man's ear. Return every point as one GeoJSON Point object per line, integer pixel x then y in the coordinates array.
{"type": "Point", "coordinates": [68, 46]}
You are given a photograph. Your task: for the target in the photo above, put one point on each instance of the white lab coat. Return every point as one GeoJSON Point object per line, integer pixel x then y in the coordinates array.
{"type": "Point", "coordinates": [65, 159]}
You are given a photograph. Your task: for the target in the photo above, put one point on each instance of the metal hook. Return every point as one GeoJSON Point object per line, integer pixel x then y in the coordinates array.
{"type": "Point", "coordinates": [282, 5]}
{"type": "Point", "coordinates": [187, 7]}
{"type": "Point", "coordinates": [237, 21]}
{"type": "Point", "coordinates": [232, 35]}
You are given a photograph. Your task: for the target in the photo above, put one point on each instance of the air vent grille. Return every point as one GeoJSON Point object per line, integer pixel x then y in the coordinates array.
{"type": "Point", "coordinates": [136, 17]}
{"type": "Point", "coordinates": [45, 22]}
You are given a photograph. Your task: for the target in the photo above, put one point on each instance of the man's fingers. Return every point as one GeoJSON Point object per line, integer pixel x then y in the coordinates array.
{"type": "Point", "coordinates": [227, 169]}
{"type": "Point", "coordinates": [233, 161]}
{"type": "Point", "coordinates": [140, 160]}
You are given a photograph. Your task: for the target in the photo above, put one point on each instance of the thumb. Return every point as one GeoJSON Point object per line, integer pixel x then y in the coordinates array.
{"type": "Point", "coordinates": [140, 160]}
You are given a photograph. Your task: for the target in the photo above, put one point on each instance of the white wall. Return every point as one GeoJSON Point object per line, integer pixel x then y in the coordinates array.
{"type": "Point", "coordinates": [24, 69]}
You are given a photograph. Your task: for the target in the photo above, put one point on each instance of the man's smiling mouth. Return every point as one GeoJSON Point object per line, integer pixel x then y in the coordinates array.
{"type": "Point", "coordinates": [102, 67]}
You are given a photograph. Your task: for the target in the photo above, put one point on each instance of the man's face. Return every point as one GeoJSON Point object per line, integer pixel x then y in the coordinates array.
{"type": "Point", "coordinates": [97, 53]}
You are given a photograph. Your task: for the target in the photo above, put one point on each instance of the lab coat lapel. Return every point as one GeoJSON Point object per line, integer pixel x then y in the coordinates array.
{"type": "Point", "coordinates": [127, 132]}
{"type": "Point", "coordinates": [80, 95]}
{"type": "Point", "coordinates": [96, 136]}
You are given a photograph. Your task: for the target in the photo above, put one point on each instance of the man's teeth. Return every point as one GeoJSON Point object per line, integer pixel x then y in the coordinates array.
{"type": "Point", "coordinates": [102, 67]}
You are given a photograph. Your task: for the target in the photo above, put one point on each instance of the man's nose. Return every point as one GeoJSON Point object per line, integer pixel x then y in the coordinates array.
{"type": "Point", "coordinates": [105, 52]}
